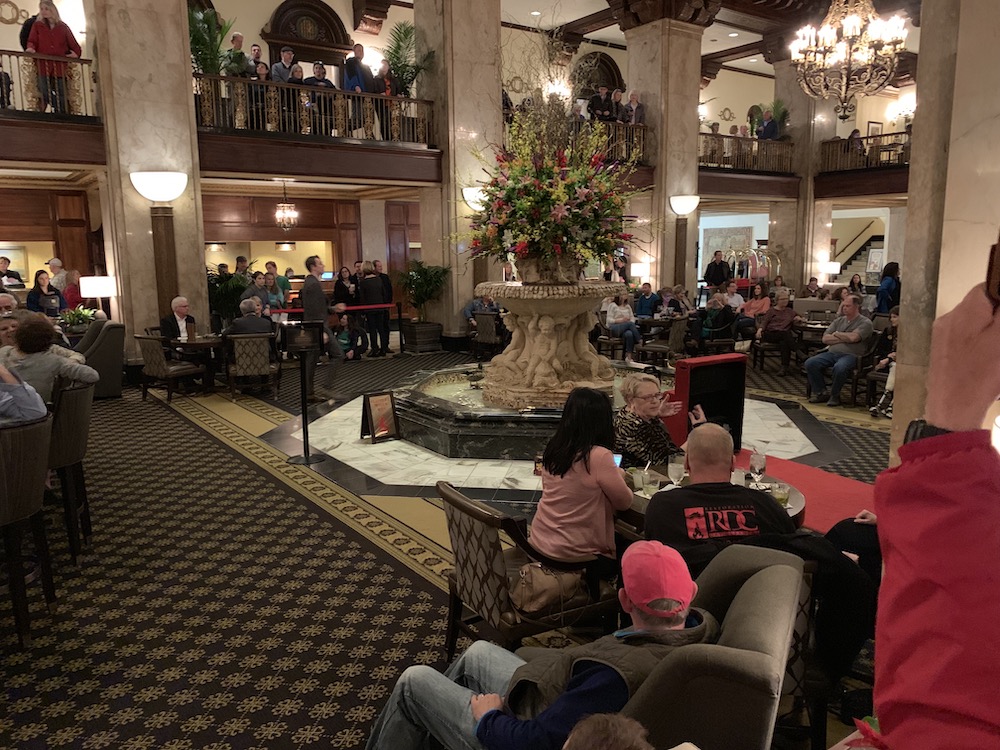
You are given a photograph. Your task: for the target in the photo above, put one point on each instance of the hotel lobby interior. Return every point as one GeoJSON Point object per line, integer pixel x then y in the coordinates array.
{"type": "Point", "coordinates": [229, 597]}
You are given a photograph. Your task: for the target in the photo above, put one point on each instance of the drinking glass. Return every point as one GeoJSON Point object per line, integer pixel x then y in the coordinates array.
{"type": "Point", "coordinates": [675, 470]}
{"type": "Point", "coordinates": [758, 465]}
{"type": "Point", "coordinates": [780, 493]}
{"type": "Point", "coordinates": [652, 484]}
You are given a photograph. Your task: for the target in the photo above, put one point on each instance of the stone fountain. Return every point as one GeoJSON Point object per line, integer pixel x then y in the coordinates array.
{"type": "Point", "coordinates": [550, 352]}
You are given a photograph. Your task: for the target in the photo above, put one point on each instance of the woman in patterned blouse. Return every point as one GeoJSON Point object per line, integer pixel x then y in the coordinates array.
{"type": "Point", "coordinates": [640, 435]}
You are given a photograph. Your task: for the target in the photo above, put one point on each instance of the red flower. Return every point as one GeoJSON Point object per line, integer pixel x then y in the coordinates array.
{"type": "Point", "coordinates": [597, 160]}
{"type": "Point", "coordinates": [557, 248]}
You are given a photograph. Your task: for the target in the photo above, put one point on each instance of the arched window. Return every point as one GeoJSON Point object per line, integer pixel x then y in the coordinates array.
{"type": "Point", "coordinates": [593, 70]}
{"type": "Point", "coordinates": [309, 27]}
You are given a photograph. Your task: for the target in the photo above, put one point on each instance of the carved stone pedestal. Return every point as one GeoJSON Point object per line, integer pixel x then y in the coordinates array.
{"type": "Point", "coordinates": [550, 353]}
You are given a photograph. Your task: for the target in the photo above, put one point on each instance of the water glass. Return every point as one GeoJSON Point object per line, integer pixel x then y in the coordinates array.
{"type": "Point", "coordinates": [675, 470]}
{"type": "Point", "coordinates": [758, 466]}
{"type": "Point", "coordinates": [652, 484]}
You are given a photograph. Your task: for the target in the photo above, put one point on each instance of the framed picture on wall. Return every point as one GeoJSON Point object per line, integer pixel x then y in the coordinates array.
{"type": "Point", "coordinates": [874, 128]}
{"type": "Point", "coordinates": [876, 259]}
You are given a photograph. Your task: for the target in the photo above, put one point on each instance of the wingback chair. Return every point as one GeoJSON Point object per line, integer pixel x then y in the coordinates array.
{"type": "Point", "coordinates": [105, 352]}
{"type": "Point", "coordinates": [484, 573]}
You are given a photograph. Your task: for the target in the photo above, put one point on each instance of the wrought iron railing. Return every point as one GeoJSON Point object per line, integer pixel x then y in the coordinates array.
{"type": "Point", "coordinates": [43, 83]}
{"type": "Point", "coordinates": [246, 105]}
{"type": "Point", "coordinates": [872, 152]}
{"type": "Point", "coordinates": [744, 154]}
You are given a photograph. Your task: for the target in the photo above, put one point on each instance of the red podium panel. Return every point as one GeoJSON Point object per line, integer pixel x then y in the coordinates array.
{"type": "Point", "coordinates": [718, 383]}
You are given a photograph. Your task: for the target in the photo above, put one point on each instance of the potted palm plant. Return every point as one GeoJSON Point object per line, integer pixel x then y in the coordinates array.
{"type": "Point", "coordinates": [422, 284]}
{"type": "Point", "coordinates": [401, 54]}
{"type": "Point", "coordinates": [208, 34]}
{"type": "Point", "coordinates": [224, 291]}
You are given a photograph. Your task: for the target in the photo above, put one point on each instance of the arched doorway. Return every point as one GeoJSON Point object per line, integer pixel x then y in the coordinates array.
{"type": "Point", "coordinates": [593, 70]}
{"type": "Point", "coordinates": [312, 29]}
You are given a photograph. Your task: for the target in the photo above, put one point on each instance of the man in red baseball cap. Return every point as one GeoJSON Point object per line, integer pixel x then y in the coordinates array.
{"type": "Point", "coordinates": [546, 696]}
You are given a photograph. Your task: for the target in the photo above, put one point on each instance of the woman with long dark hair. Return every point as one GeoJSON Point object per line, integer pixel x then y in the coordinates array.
{"type": "Point", "coordinates": [857, 286]}
{"type": "Point", "coordinates": [581, 486]}
{"type": "Point", "coordinates": [45, 298]}
{"type": "Point", "coordinates": [343, 287]}
{"type": "Point", "coordinates": [887, 295]}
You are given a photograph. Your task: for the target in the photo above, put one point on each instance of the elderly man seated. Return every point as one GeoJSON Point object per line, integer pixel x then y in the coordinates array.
{"type": "Point", "coordinates": [846, 340]}
{"type": "Point", "coordinates": [8, 303]}
{"type": "Point", "coordinates": [250, 322]}
{"type": "Point", "coordinates": [480, 304]}
{"type": "Point", "coordinates": [640, 435]}
{"type": "Point", "coordinates": [490, 698]}
{"type": "Point", "coordinates": [776, 328]}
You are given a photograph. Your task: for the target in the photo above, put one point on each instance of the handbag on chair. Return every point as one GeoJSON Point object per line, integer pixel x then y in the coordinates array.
{"type": "Point", "coordinates": [540, 588]}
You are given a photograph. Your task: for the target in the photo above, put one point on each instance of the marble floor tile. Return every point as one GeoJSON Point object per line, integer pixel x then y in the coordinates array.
{"type": "Point", "coordinates": [398, 463]}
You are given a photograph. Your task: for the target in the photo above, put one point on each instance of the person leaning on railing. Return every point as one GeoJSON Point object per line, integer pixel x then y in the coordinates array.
{"type": "Point", "coordinates": [50, 36]}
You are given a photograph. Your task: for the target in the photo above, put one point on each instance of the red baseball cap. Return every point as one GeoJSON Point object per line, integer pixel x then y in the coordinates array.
{"type": "Point", "coordinates": [653, 571]}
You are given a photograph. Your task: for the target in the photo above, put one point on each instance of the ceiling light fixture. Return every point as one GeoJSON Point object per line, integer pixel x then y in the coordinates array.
{"type": "Point", "coordinates": [536, 12]}
{"type": "Point", "coordinates": [752, 59]}
{"type": "Point", "coordinates": [733, 34]}
{"type": "Point", "coordinates": [285, 215]}
{"type": "Point", "coordinates": [854, 53]}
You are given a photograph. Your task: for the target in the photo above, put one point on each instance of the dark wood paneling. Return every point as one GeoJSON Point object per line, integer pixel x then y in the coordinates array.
{"type": "Point", "coordinates": [863, 182]}
{"type": "Point", "coordinates": [26, 216]}
{"type": "Point", "coordinates": [247, 218]}
{"type": "Point", "coordinates": [235, 154]}
{"type": "Point", "coordinates": [46, 142]}
{"type": "Point", "coordinates": [402, 226]}
{"type": "Point", "coordinates": [714, 182]}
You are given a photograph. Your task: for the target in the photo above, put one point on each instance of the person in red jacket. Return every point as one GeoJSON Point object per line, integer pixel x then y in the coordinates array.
{"type": "Point", "coordinates": [938, 630]}
{"type": "Point", "coordinates": [50, 36]}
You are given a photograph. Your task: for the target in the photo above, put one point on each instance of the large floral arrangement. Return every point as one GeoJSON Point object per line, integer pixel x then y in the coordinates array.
{"type": "Point", "coordinates": [553, 192]}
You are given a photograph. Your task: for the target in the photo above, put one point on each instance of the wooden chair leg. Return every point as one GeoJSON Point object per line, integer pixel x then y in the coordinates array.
{"type": "Point", "coordinates": [454, 623]}
{"type": "Point", "coordinates": [44, 558]}
{"type": "Point", "coordinates": [71, 511]}
{"type": "Point", "coordinates": [170, 389]}
{"type": "Point", "coordinates": [83, 502]}
{"type": "Point", "coordinates": [145, 385]}
{"type": "Point", "coordinates": [12, 538]}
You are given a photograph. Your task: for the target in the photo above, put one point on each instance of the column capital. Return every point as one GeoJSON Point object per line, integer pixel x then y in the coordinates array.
{"type": "Point", "coordinates": [632, 13]}
{"type": "Point", "coordinates": [564, 44]}
{"type": "Point", "coordinates": [370, 14]}
{"type": "Point", "coordinates": [709, 71]}
{"type": "Point", "coordinates": [775, 46]}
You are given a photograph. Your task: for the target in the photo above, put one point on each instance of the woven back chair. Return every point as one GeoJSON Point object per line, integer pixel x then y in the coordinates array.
{"type": "Point", "coordinates": [157, 367]}
{"type": "Point", "coordinates": [24, 451]}
{"type": "Point", "coordinates": [484, 570]}
{"type": "Point", "coordinates": [71, 409]}
{"type": "Point", "coordinates": [250, 357]}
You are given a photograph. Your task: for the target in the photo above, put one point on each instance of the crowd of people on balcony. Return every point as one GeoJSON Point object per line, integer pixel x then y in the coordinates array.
{"type": "Point", "coordinates": [357, 79]}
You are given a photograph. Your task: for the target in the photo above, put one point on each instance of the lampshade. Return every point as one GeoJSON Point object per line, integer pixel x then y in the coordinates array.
{"type": "Point", "coordinates": [159, 187]}
{"type": "Point", "coordinates": [98, 286]}
{"type": "Point", "coordinates": [639, 270]}
{"type": "Point", "coordinates": [682, 205]}
{"type": "Point", "coordinates": [830, 268]}
{"type": "Point", "coordinates": [474, 198]}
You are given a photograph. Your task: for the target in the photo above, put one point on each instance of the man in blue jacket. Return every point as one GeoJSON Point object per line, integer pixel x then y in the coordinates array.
{"type": "Point", "coordinates": [545, 697]}
{"type": "Point", "coordinates": [648, 303]}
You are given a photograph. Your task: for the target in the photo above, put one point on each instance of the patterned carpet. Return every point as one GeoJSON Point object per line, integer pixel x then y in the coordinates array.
{"type": "Point", "coordinates": [218, 608]}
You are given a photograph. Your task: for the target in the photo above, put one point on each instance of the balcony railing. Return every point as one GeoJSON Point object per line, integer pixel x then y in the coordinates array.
{"type": "Point", "coordinates": [623, 139]}
{"type": "Point", "coordinates": [873, 152]}
{"type": "Point", "coordinates": [245, 105]}
{"type": "Point", "coordinates": [744, 154]}
{"type": "Point", "coordinates": [31, 83]}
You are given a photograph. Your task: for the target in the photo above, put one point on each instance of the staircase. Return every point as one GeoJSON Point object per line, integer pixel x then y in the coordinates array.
{"type": "Point", "coordinates": [858, 262]}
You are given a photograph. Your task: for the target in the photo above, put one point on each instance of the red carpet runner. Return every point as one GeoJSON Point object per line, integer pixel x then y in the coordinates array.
{"type": "Point", "coordinates": [829, 497]}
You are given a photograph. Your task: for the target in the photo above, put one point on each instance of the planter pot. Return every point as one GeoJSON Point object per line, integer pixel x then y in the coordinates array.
{"type": "Point", "coordinates": [78, 328]}
{"type": "Point", "coordinates": [421, 337]}
{"type": "Point", "coordinates": [549, 271]}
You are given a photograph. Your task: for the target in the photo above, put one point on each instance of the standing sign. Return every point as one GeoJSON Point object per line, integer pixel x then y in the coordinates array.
{"type": "Point", "coordinates": [378, 417]}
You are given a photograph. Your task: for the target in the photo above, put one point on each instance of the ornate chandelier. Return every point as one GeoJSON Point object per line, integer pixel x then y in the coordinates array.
{"type": "Point", "coordinates": [854, 53]}
{"type": "Point", "coordinates": [285, 215]}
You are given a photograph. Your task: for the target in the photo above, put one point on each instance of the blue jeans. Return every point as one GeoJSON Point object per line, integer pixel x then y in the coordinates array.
{"type": "Point", "coordinates": [629, 333]}
{"type": "Point", "coordinates": [842, 364]}
{"type": "Point", "coordinates": [426, 703]}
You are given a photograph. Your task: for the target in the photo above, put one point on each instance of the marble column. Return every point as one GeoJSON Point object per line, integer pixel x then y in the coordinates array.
{"type": "Point", "coordinates": [464, 85]}
{"type": "Point", "coordinates": [664, 66]}
{"type": "Point", "coordinates": [800, 232]}
{"type": "Point", "coordinates": [953, 193]}
{"type": "Point", "coordinates": [895, 241]}
{"type": "Point", "coordinates": [149, 125]}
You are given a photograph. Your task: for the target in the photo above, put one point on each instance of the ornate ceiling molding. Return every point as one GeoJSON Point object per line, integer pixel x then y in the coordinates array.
{"type": "Point", "coordinates": [709, 70]}
{"type": "Point", "coordinates": [369, 15]}
{"type": "Point", "coordinates": [632, 13]}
